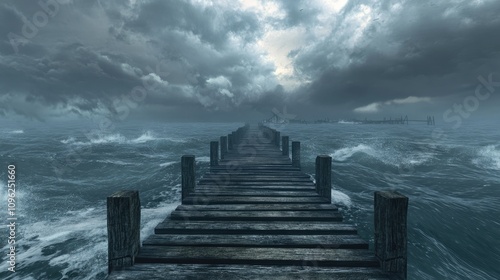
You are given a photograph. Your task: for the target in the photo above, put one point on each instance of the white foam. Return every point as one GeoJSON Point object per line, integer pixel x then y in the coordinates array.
{"type": "Point", "coordinates": [347, 122]}
{"type": "Point", "coordinates": [345, 153]}
{"type": "Point", "coordinates": [488, 157]}
{"type": "Point", "coordinates": [68, 140]}
{"type": "Point", "coordinates": [203, 159]}
{"type": "Point", "coordinates": [117, 138]}
{"type": "Point", "coordinates": [389, 156]}
{"type": "Point", "coordinates": [86, 227]}
{"type": "Point", "coordinates": [165, 164]}
{"type": "Point", "coordinates": [112, 138]}
{"type": "Point", "coordinates": [116, 162]}
{"type": "Point", "coordinates": [340, 198]}
{"type": "Point", "coordinates": [18, 131]}
{"type": "Point", "coordinates": [145, 137]}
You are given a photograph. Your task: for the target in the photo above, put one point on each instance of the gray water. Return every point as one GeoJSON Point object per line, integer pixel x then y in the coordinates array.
{"type": "Point", "coordinates": [64, 176]}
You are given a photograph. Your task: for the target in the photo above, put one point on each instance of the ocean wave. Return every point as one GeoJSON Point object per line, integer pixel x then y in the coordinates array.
{"type": "Point", "coordinates": [392, 157]}
{"type": "Point", "coordinates": [145, 137]}
{"type": "Point", "coordinates": [488, 157]}
{"type": "Point", "coordinates": [340, 198]}
{"type": "Point", "coordinates": [345, 153]}
{"type": "Point", "coordinates": [78, 244]}
{"type": "Point", "coordinates": [116, 162]}
{"type": "Point", "coordinates": [348, 122]}
{"type": "Point", "coordinates": [170, 163]}
{"type": "Point", "coordinates": [203, 159]}
{"type": "Point", "coordinates": [118, 138]}
{"type": "Point", "coordinates": [18, 131]}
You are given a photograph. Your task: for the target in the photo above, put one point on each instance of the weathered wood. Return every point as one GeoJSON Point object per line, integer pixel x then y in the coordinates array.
{"type": "Point", "coordinates": [277, 139]}
{"type": "Point", "coordinates": [218, 175]}
{"type": "Point", "coordinates": [256, 180]}
{"type": "Point", "coordinates": [214, 153]}
{"type": "Point", "coordinates": [209, 200]}
{"type": "Point", "coordinates": [261, 241]}
{"type": "Point", "coordinates": [124, 220]}
{"type": "Point", "coordinates": [323, 216]}
{"type": "Point", "coordinates": [261, 188]}
{"type": "Point", "coordinates": [188, 183]}
{"type": "Point", "coordinates": [225, 272]}
{"type": "Point", "coordinates": [258, 256]}
{"type": "Point", "coordinates": [223, 147]}
{"type": "Point", "coordinates": [324, 176]}
{"type": "Point", "coordinates": [254, 228]}
{"type": "Point", "coordinates": [261, 207]}
{"type": "Point", "coordinates": [390, 231]}
{"type": "Point", "coordinates": [296, 154]}
{"type": "Point", "coordinates": [253, 193]}
{"type": "Point", "coordinates": [285, 145]}
{"type": "Point", "coordinates": [235, 183]}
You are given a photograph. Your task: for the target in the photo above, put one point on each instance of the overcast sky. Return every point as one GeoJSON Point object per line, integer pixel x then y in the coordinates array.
{"type": "Point", "coordinates": [220, 60]}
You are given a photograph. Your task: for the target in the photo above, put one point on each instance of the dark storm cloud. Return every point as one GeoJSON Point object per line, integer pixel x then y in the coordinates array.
{"type": "Point", "coordinates": [189, 54]}
{"type": "Point", "coordinates": [427, 49]}
{"type": "Point", "coordinates": [299, 12]}
{"type": "Point", "coordinates": [85, 57]}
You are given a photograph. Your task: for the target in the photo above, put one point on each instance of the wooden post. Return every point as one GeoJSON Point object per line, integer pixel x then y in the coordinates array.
{"type": "Point", "coordinates": [277, 139]}
{"type": "Point", "coordinates": [223, 146]}
{"type": "Point", "coordinates": [285, 145]}
{"type": "Point", "coordinates": [188, 175]}
{"type": "Point", "coordinates": [124, 221]}
{"type": "Point", "coordinates": [390, 231]}
{"type": "Point", "coordinates": [324, 176]}
{"type": "Point", "coordinates": [214, 153]}
{"type": "Point", "coordinates": [296, 154]}
{"type": "Point", "coordinates": [229, 142]}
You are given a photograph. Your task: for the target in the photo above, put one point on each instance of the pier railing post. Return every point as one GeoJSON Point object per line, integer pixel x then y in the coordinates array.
{"type": "Point", "coordinates": [391, 231]}
{"type": "Point", "coordinates": [324, 176]}
{"type": "Point", "coordinates": [223, 146]}
{"type": "Point", "coordinates": [214, 153]}
{"type": "Point", "coordinates": [277, 139]}
{"type": "Point", "coordinates": [285, 150]}
{"type": "Point", "coordinates": [188, 175]}
{"type": "Point", "coordinates": [296, 154]}
{"type": "Point", "coordinates": [124, 220]}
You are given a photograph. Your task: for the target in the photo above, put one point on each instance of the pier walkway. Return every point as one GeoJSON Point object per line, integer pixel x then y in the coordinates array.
{"type": "Point", "coordinates": [255, 215]}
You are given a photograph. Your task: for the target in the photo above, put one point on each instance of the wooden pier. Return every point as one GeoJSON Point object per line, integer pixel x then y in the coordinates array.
{"type": "Point", "coordinates": [256, 215]}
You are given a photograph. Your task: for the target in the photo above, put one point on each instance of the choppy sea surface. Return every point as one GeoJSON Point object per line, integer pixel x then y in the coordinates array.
{"type": "Point", "coordinates": [65, 171]}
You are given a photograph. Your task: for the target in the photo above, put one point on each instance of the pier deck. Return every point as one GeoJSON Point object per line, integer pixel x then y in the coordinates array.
{"type": "Point", "coordinates": [254, 215]}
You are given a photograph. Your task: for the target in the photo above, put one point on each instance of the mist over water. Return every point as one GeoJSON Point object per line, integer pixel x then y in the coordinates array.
{"type": "Point", "coordinates": [65, 176]}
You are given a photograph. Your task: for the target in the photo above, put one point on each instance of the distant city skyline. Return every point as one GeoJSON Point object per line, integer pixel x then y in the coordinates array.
{"type": "Point", "coordinates": [205, 60]}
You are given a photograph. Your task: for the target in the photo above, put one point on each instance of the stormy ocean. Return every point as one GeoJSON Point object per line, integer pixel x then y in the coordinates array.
{"type": "Point", "coordinates": [65, 171]}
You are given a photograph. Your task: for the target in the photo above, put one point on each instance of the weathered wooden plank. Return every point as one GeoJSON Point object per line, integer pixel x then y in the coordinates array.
{"type": "Point", "coordinates": [263, 241]}
{"type": "Point", "coordinates": [259, 207]}
{"type": "Point", "coordinates": [255, 179]}
{"type": "Point", "coordinates": [257, 183]}
{"type": "Point", "coordinates": [222, 174]}
{"type": "Point", "coordinates": [326, 216]}
{"type": "Point", "coordinates": [257, 256]}
{"type": "Point", "coordinates": [214, 227]}
{"type": "Point", "coordinates": [256, 176]}
{"type": "Point", "coordinates": [207, 200]}
{"type": "Point", "coordinates": [244, 192]}
{"type": "Point", "coordinates": [254, 272]}
{"type": "Point", "coordinates": [255, 188]}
